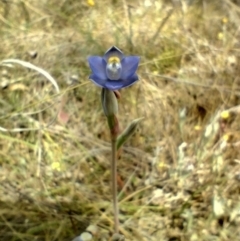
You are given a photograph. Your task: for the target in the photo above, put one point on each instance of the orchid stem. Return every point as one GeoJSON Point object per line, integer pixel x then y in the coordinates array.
{"type": "Point", "coordinates": [110, 108]}
{"type": "Point", "coordinates": [114, 184]}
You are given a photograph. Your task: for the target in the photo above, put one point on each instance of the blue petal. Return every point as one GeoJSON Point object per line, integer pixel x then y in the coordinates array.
{"type": "Point", "coordinates": [113, 52]}
{"type": "Point", "coordinates": [98, 67]}
{"type": "Point", "coordinates": [129, 66]}
{"type": "Point", "coordinates": [113, 85]}
{"type": "Point", "coordinates": [97, 81]}
{"type": "Point", "coordinates": [119, 84]}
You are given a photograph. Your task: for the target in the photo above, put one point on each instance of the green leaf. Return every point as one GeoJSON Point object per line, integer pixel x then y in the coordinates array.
{"type": "Point", "coordinates": [128, 132]}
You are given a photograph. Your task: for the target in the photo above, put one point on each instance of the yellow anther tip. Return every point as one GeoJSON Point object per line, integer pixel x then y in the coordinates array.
{"type": "Point", "coordinates": [114, 59]}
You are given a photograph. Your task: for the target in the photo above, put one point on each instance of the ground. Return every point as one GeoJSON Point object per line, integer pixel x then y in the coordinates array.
{"type": "Point", "coordinates": [178, 175]}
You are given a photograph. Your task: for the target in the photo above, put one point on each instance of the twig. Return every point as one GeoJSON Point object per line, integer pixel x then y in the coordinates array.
{"type": "Point", "coordinates": [169, 14]}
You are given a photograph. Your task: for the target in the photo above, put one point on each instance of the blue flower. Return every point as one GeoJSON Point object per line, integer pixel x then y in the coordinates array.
{"type": "Point", "coordinates": [114, 70]}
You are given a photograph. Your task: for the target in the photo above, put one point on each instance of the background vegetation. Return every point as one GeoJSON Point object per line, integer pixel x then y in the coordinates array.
{"type": "Point", "coordinates": [178, 176]}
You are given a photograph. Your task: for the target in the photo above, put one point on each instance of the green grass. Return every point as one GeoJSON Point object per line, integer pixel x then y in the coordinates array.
{"type": "Point", "coordinates": [179, 173]}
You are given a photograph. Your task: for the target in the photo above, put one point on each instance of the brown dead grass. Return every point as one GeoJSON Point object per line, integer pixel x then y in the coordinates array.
{"type": "Point", "coordinates": [178, 175]}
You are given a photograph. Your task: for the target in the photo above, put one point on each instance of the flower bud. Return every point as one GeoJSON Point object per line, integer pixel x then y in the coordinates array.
{"type": "Point", "coordinates": [109, 102]}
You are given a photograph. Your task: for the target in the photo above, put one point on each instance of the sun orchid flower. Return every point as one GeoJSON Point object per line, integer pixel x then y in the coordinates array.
{"type": "Point", "coordinates": [114, 70]}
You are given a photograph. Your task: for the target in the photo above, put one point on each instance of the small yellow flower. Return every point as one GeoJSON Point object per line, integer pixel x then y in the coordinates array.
{"type": "Point", "coordinates": [225, 137]}
{"type": "Point", "coordinates": [225, 114]}
{"type": "Point", "coordinates": [220, 36]}
{"type": "Point", "coordinates": [91, 3]}
{"type": "Point", "coordinates": [225, 20]}
{"type": "Point", "coordinates": [162, 166]}
{"type": "Point", "coordinates": [197, 128]}
{"type": "Point", "coordinates": [56, 166]}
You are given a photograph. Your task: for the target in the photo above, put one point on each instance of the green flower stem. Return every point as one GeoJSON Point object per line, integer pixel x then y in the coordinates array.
{"type": "Point", "coordinates": [110, 108]}
{"type": "Point", "coordinates": [114, 130]}
{"type": "Point", "coordinates": [114, 184]}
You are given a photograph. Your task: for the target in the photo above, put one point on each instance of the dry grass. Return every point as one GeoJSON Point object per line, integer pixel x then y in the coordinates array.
{"type": "Point", "coordinates": [178, 176]}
